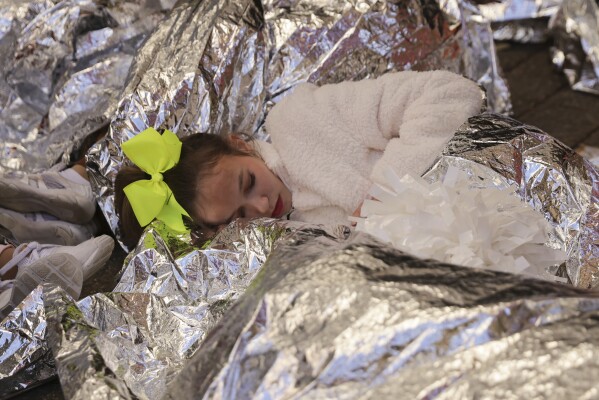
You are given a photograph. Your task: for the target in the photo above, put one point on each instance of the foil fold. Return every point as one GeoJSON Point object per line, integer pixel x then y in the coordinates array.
{"type": "Point", "coordinates": [521, 21]}
{"type": "Point", "coordinates": [575, 50]}
{"type": "Point", "coordinates": [524, 21]}
{"type": "Point", "coordinates": [25, 358]}
{"type": "Point", "coordinates": [334, 314]}
{"type": "Point", "coordinates": [220, 66]}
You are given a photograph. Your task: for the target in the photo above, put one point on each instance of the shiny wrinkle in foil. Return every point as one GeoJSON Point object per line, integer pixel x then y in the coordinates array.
{"type": "Point", "coordinates": [192, 72]}
{"type": "Point", "coordinates": [524, 21]}
{"type": "Point", "coordinates": [174, 87]}
{"type": "Point", "coordinates": [25, 358]}
{"type": "Point", "coordinates": [64, 64]}
{"type": "Point", "coordinates": [356, 319]}
{"type": "Point", "coordinates": [575, 50]}
{"type": "Point", "coordinates": [137, 338]}
{"type": "Point", "coordinates": [219, 66]}
{"type": "Point", "coordinates": [549, 176]}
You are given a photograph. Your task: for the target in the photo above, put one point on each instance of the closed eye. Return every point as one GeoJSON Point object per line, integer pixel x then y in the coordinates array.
{"type": "Point", "coordinates": [252, 182]}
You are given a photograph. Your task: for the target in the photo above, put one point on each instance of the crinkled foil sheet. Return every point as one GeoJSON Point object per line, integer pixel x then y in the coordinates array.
{"type": "Point", "coordinates": [358, 320]}
{"type": "Point", "coordinates": [64, 64]}
{"type": "Point", "coordinates": [550, 177]}
{"type": "Point", "coordinates": [219, 66]}
{"type": "Point", "coordinates": [132, 342]}
{"type": "Point", "coordinates": [575, 50]}
{"type": "Point", "coordinates": [25, 358]}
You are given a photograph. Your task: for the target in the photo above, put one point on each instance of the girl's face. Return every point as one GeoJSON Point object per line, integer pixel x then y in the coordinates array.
{"type": "Point", "coordinates": [241, 187]}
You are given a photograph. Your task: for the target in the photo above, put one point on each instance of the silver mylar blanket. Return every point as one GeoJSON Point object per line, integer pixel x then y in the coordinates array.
{"type": "Point", "coordinates": [551, 177]}
{"type": "Point", "coordinates": [573, 25]}
{"type": "Point", "coordinates": [519, 20]}
{"type": "Point", "coordinates": [220, 66]}
{"type": "Point", "coordinates": [358, 320]}
{"type": "Point", "coordinates": [136, 339]}
{"type": "Point", "coordinates": [212, 65]}
{"type": "Point", "coordinates": [63, 66]}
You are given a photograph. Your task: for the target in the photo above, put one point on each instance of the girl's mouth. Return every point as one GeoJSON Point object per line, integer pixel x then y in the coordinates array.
{"type": "Point", "coordinates": [276, 213]}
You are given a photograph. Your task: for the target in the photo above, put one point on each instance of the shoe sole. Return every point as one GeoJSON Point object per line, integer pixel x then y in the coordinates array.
{"type": "Point", "coordinates": [49, 232]}
{"type": "Point", "coordinates": [21, 197]}
{"type": "Point", "coordinates": [61, 269]}
{"type": "Point", "coordinates": [97, 260]}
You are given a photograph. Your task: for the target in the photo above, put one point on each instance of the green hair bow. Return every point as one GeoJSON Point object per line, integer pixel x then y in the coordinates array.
{"type": "Point", "coordinates": [154, 154]}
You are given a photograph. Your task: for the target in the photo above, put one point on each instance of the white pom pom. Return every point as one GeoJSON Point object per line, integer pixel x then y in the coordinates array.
{"type": "Point", "coordinates": [452, 222]}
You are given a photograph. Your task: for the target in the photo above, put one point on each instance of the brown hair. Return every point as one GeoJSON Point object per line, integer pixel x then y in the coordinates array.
{"type": "Point", "coordinates": [200, 152]}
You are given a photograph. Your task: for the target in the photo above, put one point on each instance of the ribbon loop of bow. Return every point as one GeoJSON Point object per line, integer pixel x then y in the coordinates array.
{"type": "Point", "coordinates": [152, 198]}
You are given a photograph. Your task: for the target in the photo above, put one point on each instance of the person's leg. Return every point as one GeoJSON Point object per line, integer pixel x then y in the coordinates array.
{"type": "Point", "coordinates": [6, 253]}
{"type": "Point", "coordinates": [44, 228]}
{"type": "Point", "coordinates": [80, 170]}
{"type": "Point", "coordinates": [29, 264]}
{"type": "Point", "coordinates": [67, 198]}
{"type": "Point", "coordinates": [92, 254]}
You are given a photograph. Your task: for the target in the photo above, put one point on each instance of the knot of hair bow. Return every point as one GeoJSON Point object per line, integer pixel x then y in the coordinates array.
{"type": "Point", "coordinates": [151, 198]}
{"type": "Point", "coordinates": [157, 177]}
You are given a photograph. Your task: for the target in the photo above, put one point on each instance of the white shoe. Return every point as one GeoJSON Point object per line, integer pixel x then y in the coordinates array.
{"type": "Point", "coordinates": [48, 192]}
{"type": "Point", "coordinates": [92, 253]}
{"type": "Point", "coordinates": [60, 268]}
{"type": "Point", "coordinates": [67, 266]}
{"type": "Point", "coordinates": [34, 227]}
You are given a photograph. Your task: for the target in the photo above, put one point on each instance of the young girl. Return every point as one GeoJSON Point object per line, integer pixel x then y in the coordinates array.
{"type": "Point", "coordinates": [329, 144]}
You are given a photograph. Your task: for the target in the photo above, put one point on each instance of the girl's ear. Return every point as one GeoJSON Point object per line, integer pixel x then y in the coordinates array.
{"type": "Point", "coordinates": [240, 144]}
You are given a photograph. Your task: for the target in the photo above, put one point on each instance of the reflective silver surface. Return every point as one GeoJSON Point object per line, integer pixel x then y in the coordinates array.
{"type": "Point", "coordinates": [211, 66]}
{"type": "Point", "coordinates": [575, 29]}
{"type": "Point", "coordinates": [335, 317]}
{"type": "Point", "coordinates": [64, 64]}
{"type": "Point", "coordinates": [25, 358]}
{"type": "Point", "coordinates": [62, 68]}
{"type": "Point", "coordinates": [552, 178]}
{"type": "Point", "coordinates": [516, 20]}
{"type": "Point", "coordinates": [358, 320]}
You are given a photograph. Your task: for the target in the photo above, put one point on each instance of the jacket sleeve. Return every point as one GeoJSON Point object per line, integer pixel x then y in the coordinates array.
{"type": "Point", "coordinates": [416, 114]}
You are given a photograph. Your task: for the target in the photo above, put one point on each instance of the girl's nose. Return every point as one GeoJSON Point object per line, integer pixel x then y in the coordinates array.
{"type": "Point", "coordinates": [259, 207]}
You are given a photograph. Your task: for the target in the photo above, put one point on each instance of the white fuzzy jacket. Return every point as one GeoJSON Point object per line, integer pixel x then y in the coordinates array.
{"type": "Point", "coordinates": [330, 143]}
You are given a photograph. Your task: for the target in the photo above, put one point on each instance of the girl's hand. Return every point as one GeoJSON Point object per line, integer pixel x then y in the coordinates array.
{"type": "Point", "coordinates": [358, 211]}
{"type": "Point", "coordinates": [356, 214]}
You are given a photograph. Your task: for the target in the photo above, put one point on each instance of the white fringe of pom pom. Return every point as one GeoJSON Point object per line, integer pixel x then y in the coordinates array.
{"type": "Point", "coordinates": [451, 222]}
